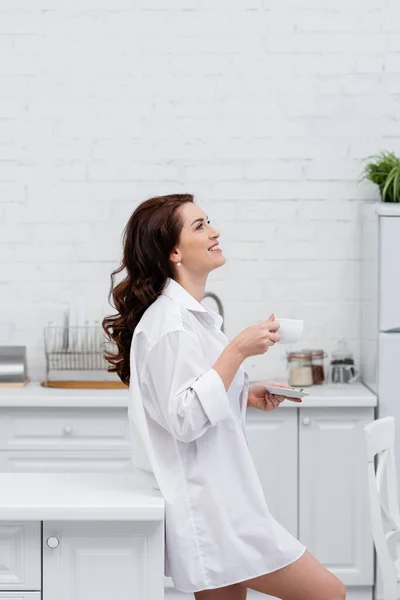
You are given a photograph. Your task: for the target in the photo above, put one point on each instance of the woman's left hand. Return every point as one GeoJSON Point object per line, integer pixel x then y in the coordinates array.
{"type": "Point", "coordinates": [262, 399]}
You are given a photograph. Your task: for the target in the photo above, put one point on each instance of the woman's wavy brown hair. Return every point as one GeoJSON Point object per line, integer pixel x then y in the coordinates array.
{"type": "Point", "coordinates": [149, 237]}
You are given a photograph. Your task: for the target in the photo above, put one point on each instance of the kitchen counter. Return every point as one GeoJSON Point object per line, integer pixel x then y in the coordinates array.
{"type": "Point", "coordinates": [33, 394]}
{"type": "Point", "coordinates": [78, 496]}
{"type": "Point", "coordinates": [336, 396]}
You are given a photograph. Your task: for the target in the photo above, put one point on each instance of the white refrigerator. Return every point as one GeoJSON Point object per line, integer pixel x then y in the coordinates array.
{"type": "Point", "coordinates": [380, 317]}
{"type": "Point", "coordinates": [380, 294]}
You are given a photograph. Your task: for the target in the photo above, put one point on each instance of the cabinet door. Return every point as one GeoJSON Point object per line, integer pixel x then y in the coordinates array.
{"type": "Point", "coordinates": [333, 495]}
{"type": "Point", "coordinates": [103, 560]}
{"type": "Point", "coordinates": [273, 443]}
{"type": "Point", "coordinates": [20, 555]}
{"type": "Point", "coordinates": [63, 461]}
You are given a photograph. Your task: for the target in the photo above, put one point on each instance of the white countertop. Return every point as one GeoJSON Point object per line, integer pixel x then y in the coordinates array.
{"type": "Point", "coordinates": [353, 395]}
{"type": "Point", "coordinates": [78, 496]}
{"type": "Point", "coordinates": [33, 394]}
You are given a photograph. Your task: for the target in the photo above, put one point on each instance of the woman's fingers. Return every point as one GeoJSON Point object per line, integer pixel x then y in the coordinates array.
{"type": "Point", "coordinates": [271, 337]}
{"type": "Point", "coordinates": [280, 398]}
{"type": "Point", "coordinates": [272, 400]}
{"type": "Point", "coordinates": [275, 337]}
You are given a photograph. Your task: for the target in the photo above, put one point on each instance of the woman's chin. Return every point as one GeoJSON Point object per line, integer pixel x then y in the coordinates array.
{"type": "Point", "coordinates": [219, 263]}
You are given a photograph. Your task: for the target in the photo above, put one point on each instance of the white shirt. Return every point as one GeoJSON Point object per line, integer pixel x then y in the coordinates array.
{"type": "Point", "coordinates": [188, 438]}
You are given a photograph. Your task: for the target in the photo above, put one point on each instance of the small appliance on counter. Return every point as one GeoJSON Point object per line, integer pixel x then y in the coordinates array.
{"type": "Point", "coordinates": [13, 366]}
{"type": "Point", "coordinates": [342, 369]}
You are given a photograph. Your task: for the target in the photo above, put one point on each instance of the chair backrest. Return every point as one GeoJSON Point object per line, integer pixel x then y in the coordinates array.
{"type": "Point", "coordinates": [379, 437]}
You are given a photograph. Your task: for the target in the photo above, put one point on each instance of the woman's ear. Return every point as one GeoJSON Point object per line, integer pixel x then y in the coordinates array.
{"type": "Point", "coordinates": [175, 256]}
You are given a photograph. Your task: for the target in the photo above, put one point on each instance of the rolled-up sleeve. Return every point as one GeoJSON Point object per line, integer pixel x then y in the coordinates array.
{"type": "Point", "coordinates": [184, 396]}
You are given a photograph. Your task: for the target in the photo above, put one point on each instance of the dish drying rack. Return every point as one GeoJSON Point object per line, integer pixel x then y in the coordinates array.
{"type": "Point", "coordinates": [77, 348]}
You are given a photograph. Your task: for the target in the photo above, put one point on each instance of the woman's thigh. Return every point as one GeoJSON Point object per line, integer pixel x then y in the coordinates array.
{"type": "Point", "coordinates": [305, 579]}
{"type": "Point", "coordinates": [230, 592]}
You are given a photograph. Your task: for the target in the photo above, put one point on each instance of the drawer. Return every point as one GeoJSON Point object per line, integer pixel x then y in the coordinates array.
{"type": "Point", "coordinates": [64, 428]}
{"type": "Point", "coordinates": [61, 461]}
{"type": "Point", "coordinates": [20, 595]}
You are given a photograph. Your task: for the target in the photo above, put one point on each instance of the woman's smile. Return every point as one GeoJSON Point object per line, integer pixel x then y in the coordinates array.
{"type": "Point", "coordinates": [215, 248]}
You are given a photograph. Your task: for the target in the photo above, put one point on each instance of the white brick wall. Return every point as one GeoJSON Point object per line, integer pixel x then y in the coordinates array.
{"type": "Point", "coordinates": [262, 109]}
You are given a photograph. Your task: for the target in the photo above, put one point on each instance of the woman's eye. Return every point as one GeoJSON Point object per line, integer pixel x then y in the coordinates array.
{"type": "Point", "coordinates": [201, 224]}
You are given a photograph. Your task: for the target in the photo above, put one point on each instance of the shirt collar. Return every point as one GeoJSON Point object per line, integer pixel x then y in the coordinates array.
{"type": "Point", "coordinates": [176, 292]}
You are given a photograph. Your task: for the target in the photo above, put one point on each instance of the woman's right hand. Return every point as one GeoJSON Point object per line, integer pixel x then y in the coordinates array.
{"type": "Point", "coordinates": [257, 339]}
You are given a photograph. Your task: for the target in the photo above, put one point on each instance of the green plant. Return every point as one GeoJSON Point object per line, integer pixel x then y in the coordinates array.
{"type": "Point", "coordinates": [384, 171]}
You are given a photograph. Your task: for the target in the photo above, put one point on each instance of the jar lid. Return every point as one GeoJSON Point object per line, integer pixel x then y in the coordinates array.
{"type": "Point", "coordinates": [314, 353]}
{"type": "Point", "coordinates": [305, 354]}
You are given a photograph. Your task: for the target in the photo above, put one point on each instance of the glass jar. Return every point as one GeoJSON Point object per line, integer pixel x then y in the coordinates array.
{"type": "Point", "coordinates": [300, 370]}
{"type": "Point", "coordinates": [317, 366]}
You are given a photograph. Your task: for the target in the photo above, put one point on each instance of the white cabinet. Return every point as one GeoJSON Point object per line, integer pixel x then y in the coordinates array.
{"type": "Point", "coordinates": [20, 556]}
{"type": "Point", "coordinates": [273, 442]}
{"type": "Point", "coordinates": [102, 560]}
{"type": "Point", "coordinates": [334, 520]}
{"type": "Point", "coordinates": [310, 462]}
{"type": "Point", "coordinates": [85, 559]}
{"type": "Point", "coordinates": [311, 465]}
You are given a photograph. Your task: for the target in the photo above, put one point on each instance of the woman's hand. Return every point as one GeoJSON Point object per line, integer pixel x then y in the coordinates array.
{"type": "Point", "coordinates": [262, 399]}
{"type": "Point", "coordinates": [257, 339]}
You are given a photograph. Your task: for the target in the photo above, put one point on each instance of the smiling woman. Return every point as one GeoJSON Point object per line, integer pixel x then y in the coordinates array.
{"type": "Point", "coordinates": [188, 395]}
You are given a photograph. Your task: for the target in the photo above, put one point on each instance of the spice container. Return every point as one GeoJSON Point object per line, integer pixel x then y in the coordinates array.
{"type": "Point", "coordinates": [317, 366]}
{"type": "Point", "coordinates": [300, 370]}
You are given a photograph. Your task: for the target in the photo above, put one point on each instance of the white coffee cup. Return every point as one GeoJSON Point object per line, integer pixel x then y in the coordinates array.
{"type": "Point", "coordinates": [290, 330]}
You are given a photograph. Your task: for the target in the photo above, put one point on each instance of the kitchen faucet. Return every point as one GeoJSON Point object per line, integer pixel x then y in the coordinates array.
{"type": "Point", "coordinates": [219, 304]}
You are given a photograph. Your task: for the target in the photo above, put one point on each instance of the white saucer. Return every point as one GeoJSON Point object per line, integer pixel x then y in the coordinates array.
{"type": "Point", "coordinates": [286, 392]}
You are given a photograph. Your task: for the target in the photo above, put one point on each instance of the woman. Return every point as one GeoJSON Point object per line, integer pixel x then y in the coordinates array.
{"type": "Point", "coordinates": [188, 399]}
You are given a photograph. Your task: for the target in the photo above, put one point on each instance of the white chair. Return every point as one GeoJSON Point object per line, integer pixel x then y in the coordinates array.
{"type": "Point", "coordinates": [379, 436]}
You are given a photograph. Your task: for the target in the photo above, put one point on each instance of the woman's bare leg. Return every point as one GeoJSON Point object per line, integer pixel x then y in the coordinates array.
{"type": "Point", "coordinates": [230, 592]}
{"type": "Point", "coordinates": [304, 579]}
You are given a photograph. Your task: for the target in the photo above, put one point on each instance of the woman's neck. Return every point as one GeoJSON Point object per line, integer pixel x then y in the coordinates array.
{"type": "Point", "coordinates": [195, 286]}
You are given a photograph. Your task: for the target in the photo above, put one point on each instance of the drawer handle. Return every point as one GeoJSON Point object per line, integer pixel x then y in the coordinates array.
{"type": "Point", "coordinates": [306, 421]}
{"type": "Point", "coordinates": [52, 542]}
{"type": "Point", "coordinates": [68, 429]}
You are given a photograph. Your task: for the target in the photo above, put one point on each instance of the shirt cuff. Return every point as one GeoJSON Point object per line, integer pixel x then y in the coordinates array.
{"type": "Point", "coordinates": [212, 394]}
{"type": "Point", "coordinates": [244, 397]}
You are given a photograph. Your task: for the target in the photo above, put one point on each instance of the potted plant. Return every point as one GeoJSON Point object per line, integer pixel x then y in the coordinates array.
{"type": "Point", "coordinates": [384, 170]}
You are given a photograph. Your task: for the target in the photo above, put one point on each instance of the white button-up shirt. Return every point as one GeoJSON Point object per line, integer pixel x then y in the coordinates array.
{"type": "Point", "coordinates": [188, 439]}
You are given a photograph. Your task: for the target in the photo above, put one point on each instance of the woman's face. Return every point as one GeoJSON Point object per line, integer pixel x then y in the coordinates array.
{"type": "Point", "coordinates": [196, 239]}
